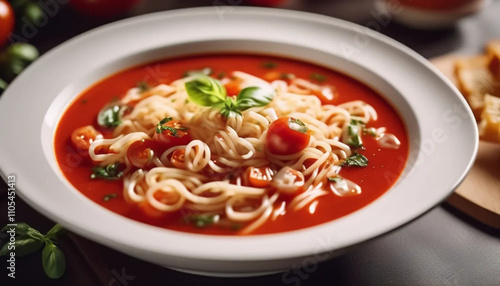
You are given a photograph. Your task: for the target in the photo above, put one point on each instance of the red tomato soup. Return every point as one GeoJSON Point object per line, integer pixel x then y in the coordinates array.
{"type": "Point", "coordinates": [385, 165]}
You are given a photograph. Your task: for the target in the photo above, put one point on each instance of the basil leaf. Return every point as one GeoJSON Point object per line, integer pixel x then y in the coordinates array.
{"type": "Point", "coordinates": [22, 51]}
{"type": "Point", "coordinates": [357, 160]}
{"type": "Point", "coordinates": [110, 116]}
{"type": "Point", "coordinates": [53, 261]}
{"type": "Point", "coordinates": [297, 125]}
{"type": "Point", "coordinates": [109, 172]}
{"type": "Point", "coordinates": [20, 229]}
{"type": "Point", "coordinates": [203, 220]}
{"type": "Point", "coordinates": [3, 85]}
{"type": "Point", "coordinates": [55, 231]}
{"type": "Point", "coordinates": [35, 234]}
{"type": "Point", "coordinates": [206, 91]}
{"type": "Point", "coordinates": [205, 71]}
{"type": "Point", "coordinates": [23, 245]}
{"type": "Point", "coordinates": [254, 97]}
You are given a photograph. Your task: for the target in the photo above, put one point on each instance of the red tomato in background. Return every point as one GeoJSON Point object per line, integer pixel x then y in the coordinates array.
{"type": "Point", "coordinates": [6, 21]}
{"type": "Point", "coordinates": [283, 139]}
{"type": "Point", "coordinates": [103, 8]}
{"type": "Point", "coordinates": [268, 3]}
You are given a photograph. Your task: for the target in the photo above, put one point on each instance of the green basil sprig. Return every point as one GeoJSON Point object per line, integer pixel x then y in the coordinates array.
{"type": "Point", "coordinates": [207, 91]}
{"type": "Point", "coordinates": [111, 115]}
{"type": "Point", "coordinates": [29, 240]}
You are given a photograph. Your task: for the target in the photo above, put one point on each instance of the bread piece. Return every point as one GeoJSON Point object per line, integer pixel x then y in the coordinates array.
{"type": "Point", "coordinates": [489, 127]}
{"type": "Point", "coordinates": [475, 81]}
{"type": "Point", "coordinates": [493, 52]}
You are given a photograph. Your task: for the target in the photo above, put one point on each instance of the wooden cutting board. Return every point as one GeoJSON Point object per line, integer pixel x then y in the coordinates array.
{"type": "Point", "coordinates": [479, 194]}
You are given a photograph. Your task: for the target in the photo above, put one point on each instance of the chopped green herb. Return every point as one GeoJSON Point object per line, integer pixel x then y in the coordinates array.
{"type": "Point", "coordinates": [317, 77]}
{"type": "Point", "coordinates": [221, 75]}
{"type": "Point", "coordinates": [84, 101]}
{"type": "Point", "coordinates": [269, 65]}
{"type": "Point", "coordinates": [236, 226]}
{"type": "Point", "coordinates": [109, 197]}
{"type": "Point", "coordinates": [334, 179]}
{"type": "Point", "coordinates": [173, 130]}
{"type": "Point", "coordinates": [357, 160]}
{"type": "Point", "coordinates": [115, 99]}
{"type": "Point", "coordinates": [110, 116]}
{"type": "Point", "coordinates": [297, 125]}
{"type": "Point", "coordinates": [287, 76]}
{"type": "Point", "coordinates": [354, 130]}
{"type": "Point", "coordinates": [109, 172]}
{"type": "Point", "coordinates": [204, 71]}
{"type": "Point", "coordinates": [203, 220]}
{"type": "Point", "coordinates": [143, 86]}
{"type": "Point", "coordinates": [186, 101]}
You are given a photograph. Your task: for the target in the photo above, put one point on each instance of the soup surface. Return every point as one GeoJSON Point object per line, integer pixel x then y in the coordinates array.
{"type": "Point", "coordinates": [273, 180]}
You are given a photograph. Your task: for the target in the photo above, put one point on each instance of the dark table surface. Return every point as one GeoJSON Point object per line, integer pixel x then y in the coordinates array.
{"type": "Point", "coordinates": [443, 247]}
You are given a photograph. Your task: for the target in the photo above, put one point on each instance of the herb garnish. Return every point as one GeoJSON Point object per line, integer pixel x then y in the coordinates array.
{"type": "Point", "coordinates": [354, 130]}
{"type": "Point", "coordinates": [109, 197]}
{"type": "Point", "coordinates": [143, 86]}
{"type": "Point", "coordinates": [221, 75]}
{"type": "Point", "coordinates": [356, 159]}
{"type": "Point", "coordinates": [206, 91]}
{"type": "Point", "coordinates": [29, 240]}
{"type": "Point", "coordinates": [109, 172]}
{"type": "Point", "coordinates": [287, 76]}
{"type": "Point", "coordinates": [173, 130]}
{"type": "Point", "coordinates": [204, 71]}
{"type": "Point", "coordinates": [203, 220]}
{"type": "Point", "coordinates": [110, 116]}
{"type": "Point", "coordinates": [317, 77]}
{"type": "Point", "coordinates": [269, 65]}
{"type": "Point", "coordinates": [335, 179]}
{"type": "Point", "coordinates": [297, 125]}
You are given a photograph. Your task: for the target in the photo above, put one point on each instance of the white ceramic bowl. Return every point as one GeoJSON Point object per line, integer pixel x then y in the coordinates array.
{"type": "Point", "coordinates": [427, 19]}
{"type": "Point", "coordinates": [442, 131]}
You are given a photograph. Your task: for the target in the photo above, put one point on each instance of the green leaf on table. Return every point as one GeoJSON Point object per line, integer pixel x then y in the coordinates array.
{"type": "Point", "coordinates": [55, 231]}
{"type": "Point", "coordinates": [22, 246]}
{"type": "Point", "coordinates": [53, 261]}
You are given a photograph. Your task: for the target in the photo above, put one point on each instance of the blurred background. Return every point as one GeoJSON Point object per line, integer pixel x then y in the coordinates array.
{"type": "Point", "coordinates": [444, 247]}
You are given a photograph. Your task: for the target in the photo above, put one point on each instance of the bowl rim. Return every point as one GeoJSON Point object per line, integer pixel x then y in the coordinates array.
{"type": "Point", "coordinates": [237, 249]}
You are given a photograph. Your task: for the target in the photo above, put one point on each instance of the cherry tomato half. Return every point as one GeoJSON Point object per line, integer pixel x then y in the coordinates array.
{"type": "Point", "coordinates": [103, 8]}
{"type": "Point", "coordinates": [178, 158]}
{"type": "Point", "coordinates": [141, 153]}
{"type": "Point", "coordinates": [6, 21]}
{"type": "Point", "coordinates": [83, 137]}
{"type": "Point", "coordinates": [259, 177]}
{"type": "Point", "coordinates": [286, 136]}
{"type": "Point", "coordinates": [172, 133]}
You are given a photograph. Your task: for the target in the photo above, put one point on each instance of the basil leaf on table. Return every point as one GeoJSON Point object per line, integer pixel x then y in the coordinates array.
{"type": "Point", "coordinates": [21, 228]}
{"type": "Point", "coordinates": [53, 261]}
{"type": "Point", "coordinates": [24, 245]}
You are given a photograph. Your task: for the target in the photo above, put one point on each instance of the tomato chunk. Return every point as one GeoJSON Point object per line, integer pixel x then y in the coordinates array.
{"type": "Point", "coordinates": [170, 133]}
{"type": "Point", "coordinates": [84, 136]}
{"type": "Point", "coordinates": [178, 158]}
{"type": "Point", "coordinates": [141, 153]}
{"type": "Point", "coordinates": [259, 177]}
{"type": "Point", "coordinates": [286, 136]}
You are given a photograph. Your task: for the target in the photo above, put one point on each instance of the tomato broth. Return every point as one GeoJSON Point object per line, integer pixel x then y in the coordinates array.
{"type": "Point", "coordinates": [385, 165]}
